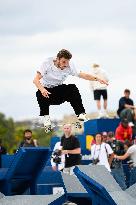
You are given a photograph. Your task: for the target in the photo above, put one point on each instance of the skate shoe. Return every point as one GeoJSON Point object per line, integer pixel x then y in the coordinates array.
{"type": "Point", "coordinates": [47, 123]}
{"type": "Point", "coordinates": [82, 117]}
{"type": "Point", "coordinates": [100, 115]}
{"type": "Point", "coordinates": [105, 114]}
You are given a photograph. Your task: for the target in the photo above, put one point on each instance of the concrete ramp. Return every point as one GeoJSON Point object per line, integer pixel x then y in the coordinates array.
{"type": "Point", "coordinates": [32, 200]}
{"type": "Point", "coordinates": [102, 187]}
{"type": "Point", "coordinates": [132, 190]}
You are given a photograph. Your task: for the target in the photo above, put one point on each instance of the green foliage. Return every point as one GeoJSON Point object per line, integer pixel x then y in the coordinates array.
{"type": "Point", "coordinates": [11, 133]}
{"type": "Point", "coordinates": [7, 131]}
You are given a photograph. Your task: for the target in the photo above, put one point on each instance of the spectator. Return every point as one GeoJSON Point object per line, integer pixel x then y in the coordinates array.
{"type": "Point", "coordinates": [123, 131]}
{"type": "Point", "coordinates": [101, 152]}
{"type": "Point", "coordinates": [100, 90]}
{"type": "Point", "coordinates": [2, 150]}
{"type": "Point", "coordinates": [110, 135]}
{"type": "Point", "coordinates": [57, 160]}
{"type": "Point", "coordinates": [131, 152]}
{"type": "Point", "coordinates": [104, 136]}
{"type": "Point", "coordinates": [28, 140]}
{"type": "Point", "coordinates": [71, 149]}
{"type": "Point", "coordinates": [126, 108]}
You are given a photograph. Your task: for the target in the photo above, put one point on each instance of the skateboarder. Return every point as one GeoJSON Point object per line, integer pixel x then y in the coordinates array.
{"type": "Point", "coordinates": [51, 90]}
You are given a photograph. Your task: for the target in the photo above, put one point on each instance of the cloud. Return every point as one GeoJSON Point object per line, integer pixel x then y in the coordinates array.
{"type": "Point", "coordinates": [30, 17]}
{"type": "Point", "coordinates": [94, 31]}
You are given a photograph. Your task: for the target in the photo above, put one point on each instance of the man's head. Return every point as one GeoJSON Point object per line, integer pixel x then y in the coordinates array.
{"type": "Point", "coordinates": [27, 134]}
{"type": "Point", "coordinates": [67, 128]}
{"type": "Point", "coordinates": [110, 136]}
{"type": "Point", "coordinates": [127, 93]}
{"type": "Point", "coordinates": [63, 58]}
{"type": "Point", "coordinates": [98, 138]}
{"type": "Point", "coordinates": [104, 136]}
{"type": "Point", "coordinates": [95, 65]}
{"type": "Point", "coordinates": [124, 122]}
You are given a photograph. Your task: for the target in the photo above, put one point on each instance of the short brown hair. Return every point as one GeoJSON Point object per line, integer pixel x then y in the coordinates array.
{"type": "Point", "coordinates": [126, 91]}
{"type": "Point", "coordinates": [64, 54]}
{"type": "Point", "coordinates": [95, 65]}
{"type": "Point", "coordinates": [27, 130]}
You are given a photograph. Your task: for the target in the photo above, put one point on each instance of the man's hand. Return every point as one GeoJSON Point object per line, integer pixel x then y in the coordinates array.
{"type": "Point", "coordinates": [115, 156]}
{"type": "Point", "coordinates": [64, 152]}
{"type": "Point", "coordinates": [54, 168]}
{"type": "Point", "coordinates": [102, 81]}
{"type": "Point", "coordinates": [45, 93]}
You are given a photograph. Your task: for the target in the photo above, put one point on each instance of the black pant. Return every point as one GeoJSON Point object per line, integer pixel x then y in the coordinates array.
{"type": "Point", "coordinates": [60, 94]}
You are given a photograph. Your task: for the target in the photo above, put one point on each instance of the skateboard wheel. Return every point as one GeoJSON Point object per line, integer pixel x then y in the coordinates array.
{"type": "Point", "coordinates": [48, 129]}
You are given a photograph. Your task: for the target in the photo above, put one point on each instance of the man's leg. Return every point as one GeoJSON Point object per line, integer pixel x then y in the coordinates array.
{"type": "Point", "coordinates": [98, 103]}
{"type": "Point", "coordinates": [43, 103]}
{"type": "Point", "coordinates": [134, 113]}
{"type": "Point", "coordinates": [132, 176]}
{"type": "Point", "coordinates": [127, 113]}
{"type": "Point", "coordinates": [60, 94]}
{"type": "Point", "coordinates": [73, 96]}
{"type": "Point", "coordinates": [97, 98]}
{"type": "Point", "coordinates": [105, 104]}
{"type": "Point", "coordinates": [55, 98]}
{"type": "Point", "coordinates": [104, 94]}
{"type": "Point", "coordinates": [44, 109]}
{"type": "Point", "coordinates": [119, 176]}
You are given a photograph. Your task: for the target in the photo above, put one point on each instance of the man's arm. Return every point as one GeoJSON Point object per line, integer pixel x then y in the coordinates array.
{"type": "Point", "coordinates": [88, 76]}
{"type": "Point", "coordinates": [36, 81]}
{"type": "Point", "coordinates": [129, 106]}
{"type": "Point", "coordinates": [109, 153]}
{"type": "Point", "coordinates": [111, 157]}
{"type": "Point", "coordinates": [123, 157]}
{"type": "Point", "coordinates": [125, 105]}
{"type": "Point", "coordinates": [73, 151]}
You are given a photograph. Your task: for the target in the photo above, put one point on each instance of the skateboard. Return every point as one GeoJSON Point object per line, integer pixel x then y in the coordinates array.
{"type": "Point", "coordinates": [50, 128]}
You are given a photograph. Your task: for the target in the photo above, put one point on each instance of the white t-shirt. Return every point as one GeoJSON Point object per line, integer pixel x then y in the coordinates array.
{"type": "Point", "coordinates": [62, 164]}
{"type": "Point", "coordinates": [132, 152]}
{"type": "Point", "coordinates": [101, 152]}
{"type": "Point", "coordinates": [100, 73]}
{"type": "Point", "coordinates": [53, 76]}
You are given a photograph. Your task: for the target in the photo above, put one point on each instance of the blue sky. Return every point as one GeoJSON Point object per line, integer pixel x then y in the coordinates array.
{"type": "Point", "coordinates": [97, 31]}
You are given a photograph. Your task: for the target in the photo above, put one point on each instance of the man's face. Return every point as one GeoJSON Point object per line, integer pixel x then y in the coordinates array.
{"type": "Point", "coordinates": [62, 63]}
{"type": "Point", "coordinates": [104, 138]}
{"type": "Point", "coordinates": [67, 129]}
{"type": "Point", "coordinates": [127, 94]}
{"type": "Point", "coordinates": [28, 135]}
{"type": "Point", "coordinates": [98, 139]}
{"type": "Point", "coordinates": [124, 124]}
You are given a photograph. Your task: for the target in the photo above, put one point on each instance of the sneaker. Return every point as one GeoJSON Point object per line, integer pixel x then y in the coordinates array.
{"type": "Point", "coordinates": [131, 124]}
{"type": "Point", "coordinates": [100, 115]}
{"type": "Point", "coordinates": [82, 117]}
{"type": "Point", "coordinates": [105, 114]}
{"type": "Point", "coordinates": [46, 121]}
